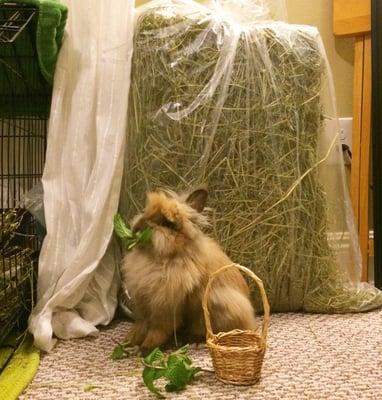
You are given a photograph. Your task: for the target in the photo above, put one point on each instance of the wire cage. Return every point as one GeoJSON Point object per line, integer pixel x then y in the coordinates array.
{"type": "Point", "coordinates": [24, 109]}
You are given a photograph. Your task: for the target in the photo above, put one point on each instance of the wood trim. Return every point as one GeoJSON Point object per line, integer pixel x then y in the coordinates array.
{"type": "Point", "coordinates": [365, 159]}
{"type": "Point", "coordinates": [351, 17]}
{"type": "Point", "coordinates": [376, 139]}
{"type": "Point", "coordinates": [357, 124]}
{"type": "Point", "coordinates": [361, 145]}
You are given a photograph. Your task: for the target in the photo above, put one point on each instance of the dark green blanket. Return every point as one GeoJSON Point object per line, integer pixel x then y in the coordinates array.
{"type": "Point", "coordinates": [27, 64]}
{"type": "Point", "coordinates": [50, 30]}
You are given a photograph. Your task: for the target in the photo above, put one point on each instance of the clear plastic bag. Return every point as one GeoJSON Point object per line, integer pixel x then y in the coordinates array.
{"type": "Point", "coordinates": [246, 105]}
{"type": "Point", "coordinates": [33, 201]}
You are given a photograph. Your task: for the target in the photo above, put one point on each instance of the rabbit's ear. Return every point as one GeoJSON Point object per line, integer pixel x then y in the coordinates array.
{"type": "Point", "coordinates": [197, 199]}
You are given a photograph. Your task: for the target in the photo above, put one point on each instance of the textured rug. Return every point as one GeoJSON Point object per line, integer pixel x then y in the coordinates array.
{"type": "Point", "coordinates": [309, 357]}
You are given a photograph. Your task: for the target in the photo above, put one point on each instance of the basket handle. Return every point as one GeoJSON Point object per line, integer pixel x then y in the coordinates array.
{"type": "Point", "coordinates": [262, 292]}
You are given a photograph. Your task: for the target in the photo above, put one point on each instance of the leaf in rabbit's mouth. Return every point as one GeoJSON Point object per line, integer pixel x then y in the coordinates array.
{"type": "Point", "coordinates": [130, 238]}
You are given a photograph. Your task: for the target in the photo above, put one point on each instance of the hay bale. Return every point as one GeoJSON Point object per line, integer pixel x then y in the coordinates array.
{"type": "Point", "coordinates": [239, 108]}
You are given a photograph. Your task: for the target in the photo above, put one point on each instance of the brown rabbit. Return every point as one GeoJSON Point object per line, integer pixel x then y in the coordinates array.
{"type": "Point", "coordinates": [166, 278]}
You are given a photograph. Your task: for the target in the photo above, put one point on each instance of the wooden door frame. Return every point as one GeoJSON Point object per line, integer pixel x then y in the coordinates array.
{"type": "Point", "coordinates": [360, 170]}
{"type": "Point", "coordinates": [353, 18]}
{"type": "Point", "coordinates": [376, 32]}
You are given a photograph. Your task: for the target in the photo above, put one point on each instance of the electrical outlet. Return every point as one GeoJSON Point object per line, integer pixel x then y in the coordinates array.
{"type": "Point", "coordinates": [346, 125]}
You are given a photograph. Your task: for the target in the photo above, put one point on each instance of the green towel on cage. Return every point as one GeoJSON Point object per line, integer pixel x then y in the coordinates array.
{"type": "Point", "coordinates": [50, 30]}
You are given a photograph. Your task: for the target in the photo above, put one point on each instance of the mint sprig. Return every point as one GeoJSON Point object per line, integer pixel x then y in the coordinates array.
{"type": "Point", "coordinates": [130, 238]}
{"type": "Point", "coordinates": [176, 367]}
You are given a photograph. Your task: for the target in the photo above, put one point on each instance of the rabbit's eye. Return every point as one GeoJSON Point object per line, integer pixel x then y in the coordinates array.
{"type": "Point", "coordinates": [167, 224]}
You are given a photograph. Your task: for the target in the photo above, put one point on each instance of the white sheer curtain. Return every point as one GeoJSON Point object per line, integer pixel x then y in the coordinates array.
{"type": "Point", "coordinates": [77, 279]}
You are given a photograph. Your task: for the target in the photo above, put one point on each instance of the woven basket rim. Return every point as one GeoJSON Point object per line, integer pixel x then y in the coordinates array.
{"type": "Point", "coordinates": [237, 332]}
{"type": "Point", "coordinates": [258, 345]}
{"type": "Point", "coordinates": [234, 349]}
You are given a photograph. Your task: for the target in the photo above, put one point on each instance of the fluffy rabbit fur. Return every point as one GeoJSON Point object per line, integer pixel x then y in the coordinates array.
{"type": "Point", "coordinates": [166, 278]}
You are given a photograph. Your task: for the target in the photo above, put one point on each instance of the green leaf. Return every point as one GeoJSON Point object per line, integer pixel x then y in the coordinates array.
{"type": "Point", "coordinates": [173, 360]}
{"type": "Point", "coordinates": [130, 238]}
{"type": "Point", "coordinates": [145, 235]}
{"type": "Point", "coordinates": [183, 349]}
{"type": "Point", "coordinates": [119, 353]}
{"type": "Point", "coordinates": [154, 357]}
{"type": "Point", "coordinates": [150, 375]}
{"type": "Point", "coordinates": [120, 228]}
{"type": "Point", "coordinates": [176, 368]}
{"type": "Point", "coordinates": [170, 387]}
{"type": "Point", "coordinates": [181, 353]}
{"type": "Point", "coordinates": [178, 375]}
{"type": "Point", "coordinates": [187, 360]}
{"type": "Point", "coordinates": [195, 370]}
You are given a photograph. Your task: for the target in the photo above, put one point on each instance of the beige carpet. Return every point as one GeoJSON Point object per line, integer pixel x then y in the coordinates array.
{"type": "Point", "coordinates": [309, 357]}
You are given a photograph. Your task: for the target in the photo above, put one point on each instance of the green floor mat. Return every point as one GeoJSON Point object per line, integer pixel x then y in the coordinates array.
{"type": "Point", "coordinates": [5, 355]}
{"type": "Point", "coordinates": [19, 370]}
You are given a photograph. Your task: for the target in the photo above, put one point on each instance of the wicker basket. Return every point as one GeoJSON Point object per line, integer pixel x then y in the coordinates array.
{"type": "Point", "coordinates": [237, 355]}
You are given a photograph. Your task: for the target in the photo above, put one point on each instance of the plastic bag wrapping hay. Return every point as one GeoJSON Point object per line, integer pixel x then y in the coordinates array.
{"type": "Point", "coordinates": [240, 106]}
